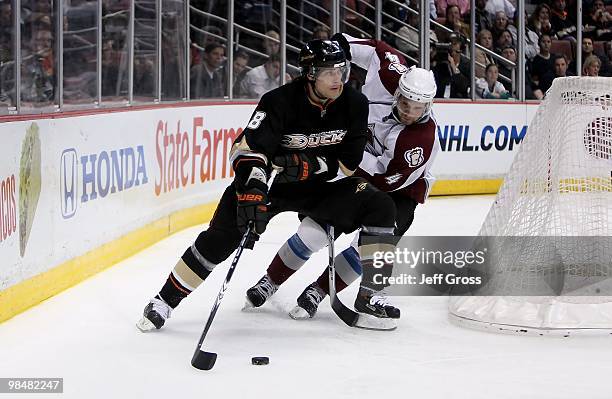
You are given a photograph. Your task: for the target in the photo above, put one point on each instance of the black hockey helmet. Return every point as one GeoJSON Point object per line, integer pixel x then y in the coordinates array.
{"type": "Point", "coordinates": [321, 54]}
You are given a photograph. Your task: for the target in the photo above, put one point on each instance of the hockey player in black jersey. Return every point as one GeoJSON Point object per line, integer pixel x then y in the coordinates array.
{"type": "Point", "coordinates": [314, 128]}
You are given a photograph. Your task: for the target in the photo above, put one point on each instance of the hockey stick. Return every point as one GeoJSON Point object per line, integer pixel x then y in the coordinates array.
{"type": "Point", "coordinates": [348, 316]}
{"type": "Point", "coordinates": [202, 359]}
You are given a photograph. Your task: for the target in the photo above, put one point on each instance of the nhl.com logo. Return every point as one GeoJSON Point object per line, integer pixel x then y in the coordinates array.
{"type": "Point", "coordinates": [93, 176]}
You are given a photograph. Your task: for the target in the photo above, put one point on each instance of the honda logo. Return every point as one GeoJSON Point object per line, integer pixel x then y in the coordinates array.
{"type": "Point", "coordinates": [68, 182]}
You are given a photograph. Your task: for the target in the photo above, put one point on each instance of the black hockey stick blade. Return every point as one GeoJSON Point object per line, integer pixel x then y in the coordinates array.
{"type": "Point", "coordinates": [348, 316]}
{"type": "Point", "coordinates": [203, 360]}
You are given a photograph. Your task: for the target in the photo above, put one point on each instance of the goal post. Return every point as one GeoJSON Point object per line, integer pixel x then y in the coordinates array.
{"type": "Point", "coordinates": [558, 191]}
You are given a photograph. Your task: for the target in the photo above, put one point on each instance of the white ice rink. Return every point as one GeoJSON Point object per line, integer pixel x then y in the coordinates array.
{"type": "Point", "coordinates": [87, 335]}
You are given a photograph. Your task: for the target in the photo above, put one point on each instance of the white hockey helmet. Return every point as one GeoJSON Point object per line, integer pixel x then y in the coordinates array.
{"type": "Point", "coordinates": [417, 84]}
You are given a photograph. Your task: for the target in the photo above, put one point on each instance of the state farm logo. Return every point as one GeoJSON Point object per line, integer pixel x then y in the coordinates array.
{"type": "Point", "coordinates": [302, 141]}
{"type": "Point", "coordinates": [94, 176]}
{"type": "Point", "coordinates": [185, 159]}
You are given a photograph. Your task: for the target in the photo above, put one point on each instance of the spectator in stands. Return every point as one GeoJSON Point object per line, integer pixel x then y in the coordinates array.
{"type": "Point", "coordinates": [110, 69]}
{"type": "Point", "coordinates": [591, 66]}
{"type": "Point", "coordinates": [272, 42]}
{"type": "Point", "coordinates": [6, 31]}
{"type": "Point", "coordinates": [433, 12]}
{"type": "Point", "coordinates": [563, 26]}
{"type": "Point", "coordinates": [483, 19]}
{"type": "Point", "coordinates": [508, 53]}
{"type": "Point", "coordinates": [241, 67]}
{"type": "Point", "coordinates": [173, 75]}
{"type": "Point", "coordinates": [504, 40]}
{"type": "Point", "coordinates": [407, 39]}
{"type": "Point", "coordinates": [500, 24]}
{"type": "Point", "coordinates": [321, 32]}
{"type": "Point", "coordinates": [144, 71]}
{"type": "Point", "coordinates": [559, 71]}
{"type": "Point", "coordinates": [488, 87]}
{"type": "Point", "coordinates": [262, 79]}
{"type": "Point", "coordinates": [485, 39]}
{"type": "Point", "coordinates": [531, 38]}
{"type": "Point", "coordinates": [493, 6]}
{"type": "Point", "coordinates": [38, 69]}
{"type": "Point", "coordinates": [454, 23]}
{"type": "Point", "coordinates": [587, 51]}
{"type": "Point", "coordinates": [540, 20]}
{"type": "Point", "coordinates": [464, 6]}
{"type": "Point", "coordinates": [608, 52]}
{"type": "Point", "coordinates": [542, 63]}
{"type": "Point", "coordinates": [206, 78]}
{"type": "Point", "coordinates": [598, 24]}
{"type": "Point", "coordinates": [450, 73]}
{"type": "Point", "coordinates": [212, 35]}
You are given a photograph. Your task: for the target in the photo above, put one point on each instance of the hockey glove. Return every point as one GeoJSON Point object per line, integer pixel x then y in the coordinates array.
{"type": "Point", "coordinates": [344, 44]}
{"type": "Point", "coordinates": [300, 167]}
{"type": "Point", "coordinates": [252, 207]}
{"type": "Point", "coordinates": [252, 201]}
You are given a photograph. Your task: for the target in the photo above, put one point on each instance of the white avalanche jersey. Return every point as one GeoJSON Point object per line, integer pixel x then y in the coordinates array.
{"type": "Point", "coordinates": [398, 158]}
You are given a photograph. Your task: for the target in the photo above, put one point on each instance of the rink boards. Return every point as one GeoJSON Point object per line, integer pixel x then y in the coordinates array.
{"type": "Point", "coordinates": [81, 191]}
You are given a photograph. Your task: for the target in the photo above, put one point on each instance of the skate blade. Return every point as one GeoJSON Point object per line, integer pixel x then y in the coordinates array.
{"type": "Point", "coordinates": [369, 322]}
{"type": "Point", "coordinates": [248, 305]}
{"type": "Point", "coordinates": [145, 325]}
{"type": "Point", "coordinates": [298, 313]}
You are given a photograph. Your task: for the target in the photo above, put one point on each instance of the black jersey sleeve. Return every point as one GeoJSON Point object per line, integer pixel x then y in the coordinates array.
{"type": "Point", "coordinates": [353, 145]}
{"type": "Point", "coordinates": [263, 132]}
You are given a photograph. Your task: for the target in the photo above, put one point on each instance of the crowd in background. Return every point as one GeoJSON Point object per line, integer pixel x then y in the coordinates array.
{"type": "Point", "coordinates": [550, 47]}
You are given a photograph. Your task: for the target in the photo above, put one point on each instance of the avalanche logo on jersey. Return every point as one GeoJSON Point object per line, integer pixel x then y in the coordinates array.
{"type": "Point", "coordinates": [302, 141]}
{"type": "Point", "coordinates": [395, 64]}
{"type": "Point", "coordinates": [414, 157]}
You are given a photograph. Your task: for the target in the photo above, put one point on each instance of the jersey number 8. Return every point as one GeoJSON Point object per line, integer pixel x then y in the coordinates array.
{"type": "Point", "coordinates": [256, 120]}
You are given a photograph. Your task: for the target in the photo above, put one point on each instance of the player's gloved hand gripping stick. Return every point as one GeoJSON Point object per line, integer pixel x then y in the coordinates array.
{"type": "Point", "coordinates": [203, 360]}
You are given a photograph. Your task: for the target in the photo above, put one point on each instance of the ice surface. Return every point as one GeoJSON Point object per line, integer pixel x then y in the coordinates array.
{"type": "Point", "coordinates": [87, 335]}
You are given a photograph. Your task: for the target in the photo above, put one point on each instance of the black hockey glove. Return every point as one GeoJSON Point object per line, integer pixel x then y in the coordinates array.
{"type": "Point", "coordinates": [300, 167]}
{"type": "Point", "coordinates": [252, 201]}
{"type": "Point", "coordinates": [252, 207]}
{"type": "Point", "coordinates": [344, 44]}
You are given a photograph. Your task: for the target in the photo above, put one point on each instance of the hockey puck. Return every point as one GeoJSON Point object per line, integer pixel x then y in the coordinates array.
{"type": "Point", "coordinates": [260, 360]}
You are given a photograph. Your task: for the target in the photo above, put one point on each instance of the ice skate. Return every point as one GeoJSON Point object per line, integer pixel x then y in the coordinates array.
{"type": "Point", "coordinates": [154, 316]}
{"type": "Point", "coordinates": [308, 302]}
{"type": "Point", "coordinates": [258, 294]}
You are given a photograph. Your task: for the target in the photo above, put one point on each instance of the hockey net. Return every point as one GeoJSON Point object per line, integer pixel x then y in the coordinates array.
{"type": "Point", "coordinates": [559, 185]}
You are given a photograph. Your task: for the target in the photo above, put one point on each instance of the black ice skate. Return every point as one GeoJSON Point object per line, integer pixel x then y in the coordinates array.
{"type": "Point", "coordinates": [154, 316]}
{"type": "Point", "coordinates": [308, 302]}
{"type": "Point", "coordinates": [375, 305]}
{"type": "Point", "coordinates": [258, 294]}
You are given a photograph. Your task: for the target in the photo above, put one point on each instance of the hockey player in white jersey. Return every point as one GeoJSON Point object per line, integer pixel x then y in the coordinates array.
{"type": "Point", "coordinates": [399, 154]}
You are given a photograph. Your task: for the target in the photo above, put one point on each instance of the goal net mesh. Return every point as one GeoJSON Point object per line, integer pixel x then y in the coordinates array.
{"type": "Point", "coordinates": [559, 192]}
